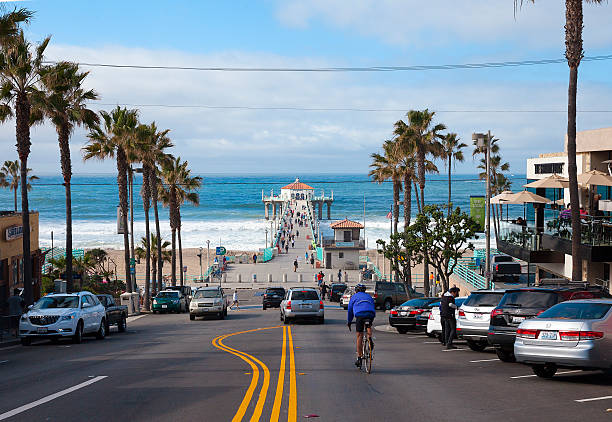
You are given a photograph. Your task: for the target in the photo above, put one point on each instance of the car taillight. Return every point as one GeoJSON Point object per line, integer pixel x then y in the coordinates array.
{"type": "Point", "coordinates": [497, 267]}
{"type": "Point", "coordinates": [580, 335]}
{"type": "Point", "coordinates": [320, 304]}
{"type": "Point", "coordinates": [265, 295]}
{"type": "Point", "coordinates": [496, 312]}
{"type": "Point", "coordinates": [289, 305]}
{"type": "Point", "coordinates": [393, 312]}
{"type": "Point", "coordinates": [461, 313]}
{"type": "Point", "coordinates": [417, 311]}
{"type": "Point", "coordinates": [526, 333]}
{"type": "Point", "coordinates": [375, 295]}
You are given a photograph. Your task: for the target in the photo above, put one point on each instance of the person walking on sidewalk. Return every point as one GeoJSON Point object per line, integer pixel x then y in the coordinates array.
{"type": "Point", "coordinates": [254, 258]}
{"type": "Point", "coordinates": [312, 259]}
{"type": "Point", "coordinates": [447, 314]}
{"type": "Point", "coordinates": [15, 308]}
{"type": "Point", "coordinates": [339, 276]}
{"type": "Point", "coordinates": [235, 300]}
{"type": "Point", "coordinates": [295, 265]}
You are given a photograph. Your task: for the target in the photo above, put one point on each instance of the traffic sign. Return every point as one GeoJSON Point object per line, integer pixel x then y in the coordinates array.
{"type": "Point", "coordinates": [132, 270]}
{"type": "Point", "coordinates": [132, 261]}
{"type": "Point", "coordinates": [220, 250]}
{"type": "Point", "coordinates": [184, 268]}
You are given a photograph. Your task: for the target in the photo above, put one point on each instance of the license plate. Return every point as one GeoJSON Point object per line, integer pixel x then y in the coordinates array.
{"type": "Point", "coordinates": [478, 316]}
{"type": "Point", "coordinates": [164, 306]}
{"type": "Point", "coordinates": [305, 306]}
{"type": "Point", "coordinates": [41, 330]}
{"type": "Point", "coordinates": [518, 319]}
{"type": "Point", "coordinates": [403, 313]}
{"type": "Point", "coordinates": [548, 335]}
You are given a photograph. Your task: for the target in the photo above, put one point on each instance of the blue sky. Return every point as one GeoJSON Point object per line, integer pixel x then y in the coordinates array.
{"type": "Point", "coordinates": [320, 33]}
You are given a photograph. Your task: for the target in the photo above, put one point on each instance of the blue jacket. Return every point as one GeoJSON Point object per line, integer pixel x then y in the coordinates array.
{"type": "Point", "coordinates": [361, 305]}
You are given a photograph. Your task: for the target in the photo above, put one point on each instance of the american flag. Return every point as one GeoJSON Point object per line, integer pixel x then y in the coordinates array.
{"type": "Point", "coordinates": [390, 215]}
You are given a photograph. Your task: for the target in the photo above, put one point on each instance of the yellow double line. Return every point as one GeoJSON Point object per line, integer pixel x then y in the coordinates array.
{"type": "Point", "coordinates": [253, 363]}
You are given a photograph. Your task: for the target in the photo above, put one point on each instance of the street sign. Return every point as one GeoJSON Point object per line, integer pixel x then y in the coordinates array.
{"type": "Point", "coordinates": [184, 268]}
{"type": "Point", "coordinates": [132, 261]}
{"type": "Point", "coordinates": [132, 270]}
{"type": "Point", "coordinates": [220, 250]}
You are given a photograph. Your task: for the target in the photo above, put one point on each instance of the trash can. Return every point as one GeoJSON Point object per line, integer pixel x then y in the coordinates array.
{"type": "Point", "coordinates": [127, 299]}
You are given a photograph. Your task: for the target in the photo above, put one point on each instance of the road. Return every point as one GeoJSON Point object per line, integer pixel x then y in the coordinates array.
{"type": "Point", "coordinates": [169, 368]}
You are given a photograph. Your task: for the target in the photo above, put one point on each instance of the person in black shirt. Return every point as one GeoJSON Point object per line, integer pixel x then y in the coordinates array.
{"type": "Point", "coordinates": [447, 315]}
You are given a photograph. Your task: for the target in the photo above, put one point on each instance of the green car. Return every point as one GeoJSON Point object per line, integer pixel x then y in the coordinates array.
{"type": "Point", "coordinates": [169, 301]}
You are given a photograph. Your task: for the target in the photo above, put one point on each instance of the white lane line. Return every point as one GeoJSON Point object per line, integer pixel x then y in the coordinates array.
{"type": "Point", "coordinates": [11, 347]}
{"type": "Point", "coordinates": [47, 399]}
{"type": "Point", "coordinates": [534, 375]}
{"type": "Point", "coordinates": [3, 361]}
{"type": "Point", "coordinates": [134, 318]}
{"type": "Point", "coordinates": [593, 399]}
{"type": "Point", "coordinates": [454, 350]}
{"type": "Point", "coordinates": [431, 342]}
{"type": "Point", "coordinates": [484, 360]}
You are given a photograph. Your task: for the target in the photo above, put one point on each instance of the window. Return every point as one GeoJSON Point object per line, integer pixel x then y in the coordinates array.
{"type": "Point", "coordinates": [400, 288]}
{"type": "Point", "coordinates": [549, 168]}
{"type": "Point", "coordinates": [569, 310]}
{"type": "Point", "coordinates": [304, 295]}
{"type": "Point", "coordinates": [340, 254]}
{"type": "Point", "coordinates": [484, 299]}
{"type": "Point", "coordinates": [347, 236]}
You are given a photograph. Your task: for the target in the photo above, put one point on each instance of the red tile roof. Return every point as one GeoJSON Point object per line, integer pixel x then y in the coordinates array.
{"type": "Point", "coordinates": [346, 224]}
{"type": "Point", "coordinates": [297, 185]}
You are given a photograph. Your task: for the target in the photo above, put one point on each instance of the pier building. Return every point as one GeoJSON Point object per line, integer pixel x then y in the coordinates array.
{"type": "Point", "coordinates": [296, 191]}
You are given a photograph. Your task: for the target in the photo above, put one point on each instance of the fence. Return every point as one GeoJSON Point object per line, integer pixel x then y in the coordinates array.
{"type": "Point", "coordinates": [58, 253]}
{"type": "Point", "coordinates": [465, 269]}
{"type": "Point", "coordinates": [268, 254]}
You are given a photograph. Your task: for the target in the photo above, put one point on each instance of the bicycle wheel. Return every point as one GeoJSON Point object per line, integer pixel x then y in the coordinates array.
{"type": "Point", "coordinates": [367, 355]}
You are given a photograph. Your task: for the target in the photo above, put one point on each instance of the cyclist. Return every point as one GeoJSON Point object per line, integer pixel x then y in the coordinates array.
{"type": "Point", "coordinates": [362, 307]}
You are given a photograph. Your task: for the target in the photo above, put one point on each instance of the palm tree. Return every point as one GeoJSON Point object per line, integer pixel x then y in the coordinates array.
{"type": "Point", "coordinates": [20, 66]}
{"type": "Point", "coordinates": [9, 178]}
{"type": "Point", "coordinates": [10, 22]}
{"type": "Point", "coordinates": [151, 248]}
{"type": "Point", "coordinates": [386, 167]}
{"type": "Point", "coordinates": [63, 100]}
{"type": "Point", "coordinates": [451, 151]}
{"type": "Point", "coordinates": [573, 53]}
{"type": "Point", "coordinates": [179, 186]}
{"type": "Point", "coordinates": [115, 139]}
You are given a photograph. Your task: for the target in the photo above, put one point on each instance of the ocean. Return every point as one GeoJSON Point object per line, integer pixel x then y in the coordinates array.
{"type": "Point", "coordinates": [230, 212]}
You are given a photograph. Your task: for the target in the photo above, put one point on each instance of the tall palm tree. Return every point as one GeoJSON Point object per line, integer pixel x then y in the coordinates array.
{"type": "Point", "coordinates": [165, 256]}
{"type": "Point", "coordinates": [10, 176]}
{"type": "Point", "coordinates": [451, 153]}
{"type": "Point", "coordinates": [20, 66]}
{"type": "Point", "coordinates": [63, 100]}
{"type": "Point", "coordinates": [10, 23]}
{"type": "Point", "coordinates": [574, 53]}
{"type": "Point", "coordinates": [115, 139]}
{"type": "Point", "coordinates": [179, 186]}
{"type": "Point", "coordinates": [386, 167]}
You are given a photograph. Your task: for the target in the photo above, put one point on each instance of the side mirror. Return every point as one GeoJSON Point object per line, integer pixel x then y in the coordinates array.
{"type": "Point", "coordinates": [85, 305]}
{"type": "Point", "coordinates": [29, 307]}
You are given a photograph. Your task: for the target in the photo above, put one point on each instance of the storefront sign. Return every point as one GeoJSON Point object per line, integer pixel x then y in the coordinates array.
{"type": "Point", "coordinates": [477, 210]}
{"type": "Point", "coordinates": [345, 244]}
{"type": "Point", "coordinates": [14, 232]}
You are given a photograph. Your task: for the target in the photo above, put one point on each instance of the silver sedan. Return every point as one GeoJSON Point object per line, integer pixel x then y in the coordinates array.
{"type": "Point", "coordinates": [302, 303]}
{"type": "Point", "coordinates": [574, 334]}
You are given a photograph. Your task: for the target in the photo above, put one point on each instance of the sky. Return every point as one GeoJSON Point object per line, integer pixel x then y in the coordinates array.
{"type": "Point", "coordinates": [238, 122]}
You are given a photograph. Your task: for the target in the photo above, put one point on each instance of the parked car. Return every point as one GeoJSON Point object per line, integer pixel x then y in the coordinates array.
{"type": "Point", "coordinates": [169, 301]}
{"type": "Point", "coordinates": [208, 301]}
{"type": "Point", "coordinates": [115, 314]}
{"type": "Point", "coordinates": [185, 291]}
{"type": "Point", "coordinates": [502, 267]}
{"type": "Point", "coordinates": [346, 297]}
{"type": "Point", "coordinates": [386, 294]}
{"type": "Point", "coordinates": [573, 334]}
{"type": "Point", "coordinates": [336, 291]}
{"type": "Point", "coordinates": [403, 317]}
{"type": "Point", "coordinates": [434, 321]}
{"type": "Point", "coordinates": [272, 297]}
{"type": "Point", "coordinates": [517, 305]}
{"type": "Point", "coordinates": [302, 303]}
{"type": "Point", "coordinates": [474, 317]}
{"type": "Point", "coordinates": [63, 315]}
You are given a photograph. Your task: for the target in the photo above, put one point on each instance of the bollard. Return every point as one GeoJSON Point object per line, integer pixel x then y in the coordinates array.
{"type": "Point", "coordinates": [300, 278]}
{"type": "Point", "coordinates": [269, 278]}
{"type": "Point", "coordinates": [284, 278]}
{"type": "Point", "coordinates": [224, 278]}
{"type": "Point", "coordinates": [331, 277]}
{"type": "Point", "coordinates": [346, 277]}
{"type": "Point", "coordinates": [239, 278]}
{"type": "Point", "coordinates": [254, 278]}
{"type": "Point", "coordinates": [360, 278]}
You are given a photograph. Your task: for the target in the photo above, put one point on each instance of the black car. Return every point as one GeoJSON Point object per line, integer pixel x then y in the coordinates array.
{"type": "Point", "coordinates": [336, 291]}
{"type": "Point", "coordinates": [519, 304]}
{"type": "Point", "coordinates": [272, 297]}
{"type": "Point", "coordinates": [403, 317]}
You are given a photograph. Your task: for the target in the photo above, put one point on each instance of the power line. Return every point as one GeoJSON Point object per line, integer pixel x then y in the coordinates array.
{"type": "Point", "coordinates": [346, 69]}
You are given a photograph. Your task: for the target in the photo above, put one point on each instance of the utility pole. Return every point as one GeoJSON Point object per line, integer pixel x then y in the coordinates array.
{"type": "Point", "coordinates": [484, 141]}
{"type": "Point", "coordinates": [207, 255]}
{"type": "Point", "coordinates": [200, 256]}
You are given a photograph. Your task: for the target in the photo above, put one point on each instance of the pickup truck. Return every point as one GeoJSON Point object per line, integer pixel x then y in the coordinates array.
{"type": "Point", "coordinates": [502, 266]}
{"type": "Point", "coordinates": [115, 314]}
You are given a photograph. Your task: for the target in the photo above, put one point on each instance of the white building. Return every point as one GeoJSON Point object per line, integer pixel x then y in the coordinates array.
{"type": "Point", "coordinates": [342, 250]}
{"type": "Point", "coordinates": [297, 190]}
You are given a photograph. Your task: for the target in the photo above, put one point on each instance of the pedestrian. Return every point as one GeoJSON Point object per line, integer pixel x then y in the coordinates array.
{"type": "Point", "coordinates": [15, 308]}
{"type": "Point", "coordinates": [293, 243]}
{"type": "Point", "coordinates": [295, 265]}
{"type": "Point", "coordinates": [287, 248]}
{"type": "Point", "coordinates": [323, 290]}
{"type": "Point", "coordinates": [447, 314]}
{"type": "Point", "coordinates": [319, 278]}
{"type": "Point", "coordinates": [345, 277]}
{"type": "Point", "coordinates": [339, 276]}
{"type": "Point", "coordinates": [306, 256]}
{"type": "Point", "coordinates": [312, 260]}
{"type": "Point", "coordinates": [297, 233]}
{"type": "Point", "coordinates": [235, 300]}
{"type": "Point", "coordinates": [254, 258]}
{"type": "Point", "coordinates": [431, 283]}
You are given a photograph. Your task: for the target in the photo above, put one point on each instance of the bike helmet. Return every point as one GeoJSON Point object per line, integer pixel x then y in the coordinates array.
{"type": "Point", "coordinates": [360, 288]}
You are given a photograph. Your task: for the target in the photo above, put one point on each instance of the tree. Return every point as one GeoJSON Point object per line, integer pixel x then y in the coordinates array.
{"type": "Point", "coordinates": [179, 186]}
{"type": "Point", "coordinates": [20, 66]}
{"type": "Point", "coordinates": [450, 152]}
{"type": "Point", "coordinates": [573, 53]}
{"type": "Point", "coordinates": [10, 23]}
{"type": "Point", "coordinates": [442, 239]}
{"type": "Point", "coordinates": [386, 167]}
{"type": "Point", "coordinates": [10, 176]}
{"type": "Point", "coordinates": [165, 256]}
{"type": "Point", "coordinates": [115, 139]}
{"type": "Point", "coordinates": [63, 100]}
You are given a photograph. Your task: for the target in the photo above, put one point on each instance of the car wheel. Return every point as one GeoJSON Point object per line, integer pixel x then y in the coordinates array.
{"type": "Point", "coordinates": [401, 330]}
{"type": "Point", "coordinates": [505, 355]}
{"type": "Point", "coordinates": [154, 311]}
{"type": "Point", "coordinates": [77, 338]}
{"type": "Point", "coordinates": [264, 307]}
{"type": "Point", "coordinates": [286, 320]}
{"type": "Point", "coordinates": [101, 330]}
{"type": "Point", "coordinates": [545, 371]}
{"type": "Point", "coordinates": [25, 341]}
{"type": "Point", "coordinates": [477, 346]}
{"type": "Point", "coordinates": [387, 305]}
{"type": "Point", "coordinates": [321, 320]}
{"type": "Point", "coordinates": [431, 334]}
{"type": "Point", "coordinates": [54, 340]}
{"type": "Point", "coordinates": [192, 317]}
{"type": "Point", "coordinates": [225, 312]}
{"type": "Point", "coordinates": [122, 324]}
{"type": "Point", "coordinates": [221, 315]}
{"type": "Point", "coordinates": [107, 328]}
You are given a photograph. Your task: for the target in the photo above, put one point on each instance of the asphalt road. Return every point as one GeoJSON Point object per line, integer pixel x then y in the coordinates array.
{"type": "Point", "coordinates": [167, 368]}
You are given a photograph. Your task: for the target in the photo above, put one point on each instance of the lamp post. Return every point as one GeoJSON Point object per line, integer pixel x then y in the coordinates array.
{"type": "Point", "coordinates": [484, 141]}
{"type": "Point", "coordinates": [271, 233]}
{"type": "Point", "coordinates": [200, 256]}
{"type": "Point", "coordinates": [267, 237]}
{"type": "Point", "coordinates": [207, 255]}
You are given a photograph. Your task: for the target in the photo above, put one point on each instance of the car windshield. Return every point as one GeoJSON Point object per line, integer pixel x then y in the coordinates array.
{"type": "Point", "coordinates": [206, 294]}
{"type": "Point", "coordinates": [339, 288]}
{"type": "Point", "coordinates": [503, 258]}
{"type": "Point", "coordinates": [279, 292]}
{"type": "Point", "coordinates": [173, 295]}
{"type": "Point", "coordinates": [529, 299]}
{"type": "Point", "coordinates": [416, 302]}
{"type": "Point", "coordinates": [51, 302]}
{"type": "Point", "coordinates": [483, 299]}
{"type": "Point", "coordinates": [569, 310]}
{"type": "Point", "coordinates": [304, 295]}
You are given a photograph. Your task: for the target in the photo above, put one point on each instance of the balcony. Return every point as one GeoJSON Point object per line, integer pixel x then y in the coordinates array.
{"type": "Point", "coordinates": [526, 243]}
{"type": "Point", "coordinates": [330, 242]}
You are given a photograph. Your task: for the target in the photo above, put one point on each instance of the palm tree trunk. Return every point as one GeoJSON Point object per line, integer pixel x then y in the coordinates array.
{"type": "Point", "coordinates": [421, 157]}
{"type": "Point", "coordinates": [418, 201]}
{"type": "Point", "coordinates": [173, 256]}
{"type": "Point", "coordinates": [15, 198]}
{"type": "Point", "coordinates": [146, 201]}
{"type": "Point", "coordinates": [180, 247]}
{"type": "Point", "coordinates": [396, 199]}
{"type": "Point", "coordinates": [154, 193]}
{"type": "Point", "coordinates": [131, 187]}
{"type": "Point", "coordinates": [154, 281]}
{"type": "Point", "coordinates": [449, 185]}
{"type": "Point", "coordinates": [123, 203]}
{"type": "Point", "coordinates": [407, 212]}
{"type": "Point", "coordinates": [63, 139]}
{"type": "Point", "coordinates": [22, 132]}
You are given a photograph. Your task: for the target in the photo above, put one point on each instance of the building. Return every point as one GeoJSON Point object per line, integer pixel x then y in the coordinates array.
{"type": "Point", "coordinates": [341, 250]}
{"type": "Point", "coordinates": [296, 191]}
{"type": "Point", "coordinates": [546, 240]}
{"type": "Point", "coordinates": [11, 253]}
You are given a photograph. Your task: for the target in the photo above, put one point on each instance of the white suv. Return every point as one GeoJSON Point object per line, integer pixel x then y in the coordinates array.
{"type": "Point", "coordinates": [63, 315]}
{"type": "Point", "coordinates": [475, 317]}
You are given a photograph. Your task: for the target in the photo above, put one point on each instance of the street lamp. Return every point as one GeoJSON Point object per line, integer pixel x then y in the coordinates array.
{"type": "Point", "coordinates": [267, 237]}
{"type": "Point", "coordinates": [484, 141]}
{"type": "Point", "coordinates": [207, 255]}
{"type": "Point", "coordinates": [200, 256]}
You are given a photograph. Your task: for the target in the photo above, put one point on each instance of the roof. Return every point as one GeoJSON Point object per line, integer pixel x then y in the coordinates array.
{"type": "Point", "coordinates": [297, 185]}
{"type": "Point", "coordinates": [346, 224]}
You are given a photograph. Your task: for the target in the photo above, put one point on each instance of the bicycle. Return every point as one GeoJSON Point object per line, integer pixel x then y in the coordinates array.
{"type": "Point", "coordinates": [367, 352]}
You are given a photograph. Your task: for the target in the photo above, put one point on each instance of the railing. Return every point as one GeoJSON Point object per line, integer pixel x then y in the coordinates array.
{"type": "Point", "coordinates": [527, 237]}
{"type": "Point", "coordinates": [357, 243]}
{"type": "Point", "coordinates": [465, 270]}
{"type": "Point", "coordinates": [268, 254]}
{"type": "Point", "coordinates": [58, 253]}
{"type": "Point", "coordinates": [594, 230]}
